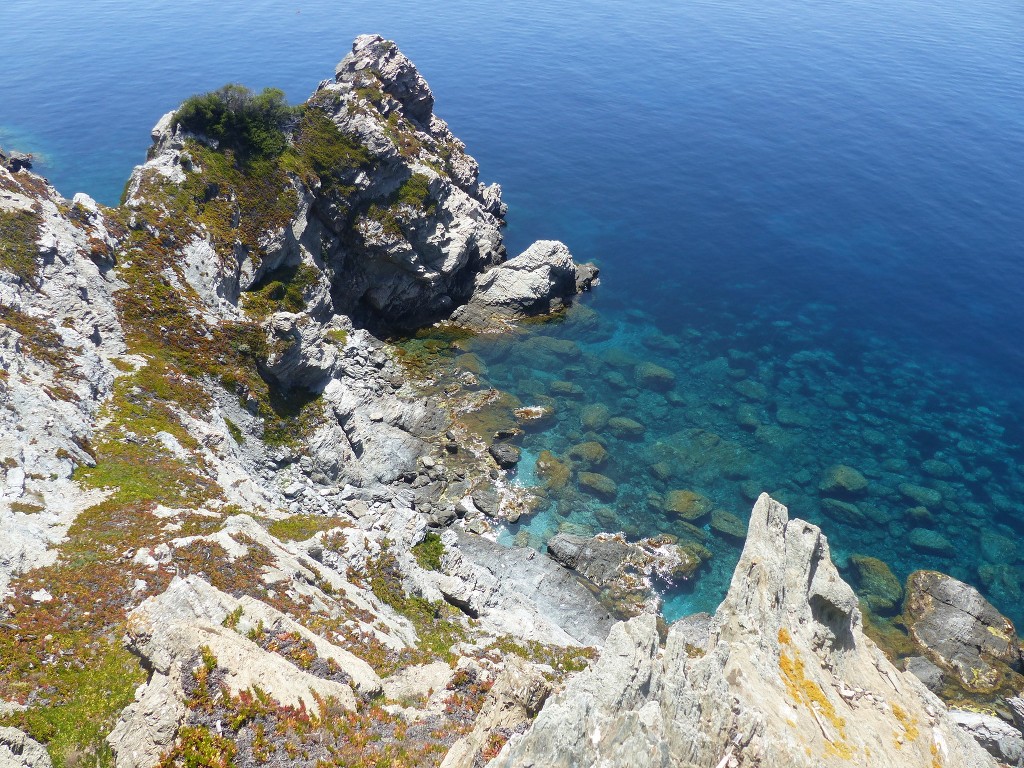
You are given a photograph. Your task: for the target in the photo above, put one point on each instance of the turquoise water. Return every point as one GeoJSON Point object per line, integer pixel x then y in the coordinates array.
{"type": "Point", "coordinates": [810, 211]}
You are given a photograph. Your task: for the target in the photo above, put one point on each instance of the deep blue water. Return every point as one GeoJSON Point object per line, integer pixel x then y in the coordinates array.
{"type": "Point", "coordinates": [823, 200]}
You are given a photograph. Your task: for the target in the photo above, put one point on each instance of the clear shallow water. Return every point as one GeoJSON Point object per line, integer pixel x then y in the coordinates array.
{"type": "Point", "coordinates": [825, 197]}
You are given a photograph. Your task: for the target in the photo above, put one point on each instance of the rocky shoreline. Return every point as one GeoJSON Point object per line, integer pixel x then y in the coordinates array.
{"type": "Point", "coordinates": [241, 527]}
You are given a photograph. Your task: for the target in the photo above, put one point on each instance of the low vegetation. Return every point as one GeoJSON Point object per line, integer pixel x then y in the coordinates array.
{"type": "Point", "coordinates": [19, 231]}
{"type": "Point", "coordinates": [428, 553]}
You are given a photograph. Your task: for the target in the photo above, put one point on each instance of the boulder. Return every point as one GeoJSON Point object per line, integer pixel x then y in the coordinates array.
{"type": "Point", "coordinates": [842, 479]}
{"type": "Point", "coordinates": [18, 750]}
{"type": "Point", "coordinates": [961, 631]}
{"type": "Point", "coordinates": [925, 497]}
{"type": "Point", "coordinates": [589, 455]}
{"type": "Point", "coordinates": [728, 525]}
{"type": "Point", "coordinates": [1000, 739]}
{"type": "Point", "coordinates": [876, 582]}
{"type": "Point", "coordinates": [623, 570]}
{"type": "Point", "coordinates": [504, 454]}
{"type": "Point", "coordinates": [624, 427]}
{"type": "Point", "coordinates": [553, 471]}
{"type": "Point", "coordinates": [600, 485]}
{"type": "Point", "coordinates": [595, 417]}
{"type": "Point", "coordinates": [930, 541]}
{"type": "Point", "coordinates": [541, 280]}
{"type": "Point", "coordinates": [654, 377]}
{"type": "Point", "coordinates": [688, 505]}
{"type": "Point", "coordinates": [924, 670]}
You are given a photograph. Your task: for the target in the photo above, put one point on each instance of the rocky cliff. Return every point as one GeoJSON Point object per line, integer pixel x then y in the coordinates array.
{"type": "Point", "coordinates": [782, 674]}
{"type": "Point", "coordinates": [240, 526]}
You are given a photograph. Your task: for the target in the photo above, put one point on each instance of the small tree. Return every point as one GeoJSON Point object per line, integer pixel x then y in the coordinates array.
{"type": "Point", "coordinates": [253, 125]}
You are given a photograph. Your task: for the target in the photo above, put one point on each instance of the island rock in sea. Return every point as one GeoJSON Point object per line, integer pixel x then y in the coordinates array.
{"type": "Point", "coordinates": [405, 232]}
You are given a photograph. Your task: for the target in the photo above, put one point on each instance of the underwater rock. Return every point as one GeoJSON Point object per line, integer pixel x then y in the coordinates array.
{"type": "Point", "coordinates": [618, 358]}
{"type": "Point", "coordinates": [877, 583]}
{"type": "Point", "coordinates": [655, 377]}
{"type": "Point", "coordinates": [662, 470]}
{"type": "Point", "coordinates": [553, 471]}
{"type": "Point", "coordinates": [728, 525]}
{"type": "Point", "coordinates": [624, 427]}
{"type": "Point", "coordinates": [938, 469]}
{"type": "Point", "coordinates": [961, 630]}
{"type": "Point", "coordinates": [752, 390]}
{"type": "Point", "coordinates": [566, 389]}
{"type": "Point", "coordinates": [998, 549]}
{"type": "Point", "coordinates": [688, 505]}
{"type": "Point", "coordinates": [471, 362]}
{"type": "Point", "coordinates": [844, 480]}
{"type": "Point", "coordinates": [589, 455]}
{"type": "Point", "coordinates": [595, 417]}
{"type": "Point", "coordinates": [919, 515]}
{"type": "Point", "coordinates": [926, 497]}
{"type": "Point", "coordinates": [930, 541]}
{"type": "Point", "coordinates": [747, 416]}
{"type": "Point", "coordinates": [559, 349]}
{"type": "Point", "coordinates": [843, 511]}
{"type": "Point", "coordinates": [790, 417]}
{"type": "Point", "coordinates": [616, 379]}
{"type": "Point", "coordinates": [599, 485]}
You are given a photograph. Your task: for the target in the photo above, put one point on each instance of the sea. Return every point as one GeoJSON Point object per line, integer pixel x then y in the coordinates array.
{"type": "Point", "coordinates": [809, 219]}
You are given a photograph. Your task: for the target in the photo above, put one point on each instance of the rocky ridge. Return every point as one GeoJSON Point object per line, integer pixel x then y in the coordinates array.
{"type": "Point", "coordinates": [782, 675]}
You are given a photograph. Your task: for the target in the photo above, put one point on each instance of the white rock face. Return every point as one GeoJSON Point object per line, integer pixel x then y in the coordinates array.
{"type": "Point", "coordinates": [540, 280]}
{"type": "Point", "coordinates": [19, 751]}
{"type": "Point", "coordinates": [787, 678]}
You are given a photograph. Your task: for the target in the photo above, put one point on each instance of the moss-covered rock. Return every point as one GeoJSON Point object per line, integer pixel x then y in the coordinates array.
{"type": "Point", "coordinates": [554, 471]}
{"type": "Point", "coordinates": [599, 485]}
{"type": "Point", "coordinates": [877, 584]}
{"type": "Point", "coordinates": [624, 427]}
{"type": "Point", "coordinates": [728, 525]}
{"type": "Point", "coordinates": [842, 479]}
{"type": "Point", "coordinates": [589, 455]}
{"type": "Point", "coordinates": [688, 505]}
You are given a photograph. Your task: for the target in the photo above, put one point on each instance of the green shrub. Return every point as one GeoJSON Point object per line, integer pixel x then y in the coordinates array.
{"type": "Point", "coordinates": [321, 151]}
{"type": "Point", "coordinates": [415, 191]}
{"type": "Point", "coordinates": [429, 552]}
{"type": "Point", "coordinates": [19, 231]}
{"type": "Point", "coordinates": [253, 125]}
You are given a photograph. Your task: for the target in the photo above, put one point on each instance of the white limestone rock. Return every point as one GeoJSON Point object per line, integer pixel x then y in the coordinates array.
{"type": "Point", "coordinates": [789, 678]}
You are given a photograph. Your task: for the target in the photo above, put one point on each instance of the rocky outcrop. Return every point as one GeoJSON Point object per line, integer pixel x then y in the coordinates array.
{"type": "Point", "coordinates": [1002, 740]}
{"type": "Point", "coordinates": [786, 677]}
{"type": "Point", "coordinates": [515, 699]}
{"type": "Point", "coordinates": [405, 233]}
{"type": "Point", "coordinates": [539, 281]}
{"type": "Point", "coordinates": [19, 751]}
{"type": "Point", "coordinates": [520, 591]}
{"type": "Point", "coordinates": [625, 572]}
{"type": "Point", "coordinates": [961, 631]}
